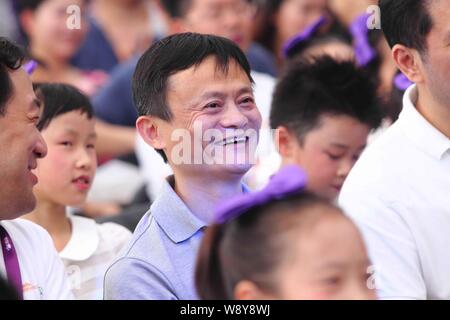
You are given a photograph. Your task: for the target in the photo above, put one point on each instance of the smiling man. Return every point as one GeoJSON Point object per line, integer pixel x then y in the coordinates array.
{"type": "Point", "coordinates": [182, 83]}
{"type": "Point", "coordinates": [28, 259]}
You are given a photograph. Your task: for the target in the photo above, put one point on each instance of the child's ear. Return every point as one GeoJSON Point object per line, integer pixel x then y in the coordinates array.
{"type": "Point", "coordinates": [287, 144]}
{"type": "Point", "coordinates": [247, 290]}
{"type": "Point", "coordinates": [409, 62]}
{"type": "Point", "coordinates": [149, 129]}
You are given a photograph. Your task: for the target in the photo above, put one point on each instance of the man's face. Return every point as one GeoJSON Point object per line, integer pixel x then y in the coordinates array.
{"type": "Point", "coordinates": [231, 19]}
{"type": "Point", "coordinates": [436, 60]}
{"type": "Point", "coordinates": [22, 145]}
{"type": "Point", "coordinates": [214, 117]}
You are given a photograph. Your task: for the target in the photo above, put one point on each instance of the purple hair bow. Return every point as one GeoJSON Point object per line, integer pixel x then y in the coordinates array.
{"type": "Point", "coordinates": [289, 180]}
{"type": "Point", "coordinates": [401, 82]}
{"type": "Point", "coordinates": [30, 66]}
{"type": "Point", "coordinates": [364, 53]}
{"type": "Point", "coordinates": [302, 36]}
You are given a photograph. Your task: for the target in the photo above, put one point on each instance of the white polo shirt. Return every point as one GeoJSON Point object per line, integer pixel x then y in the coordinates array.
{"type": "Point", "coordinates": [41, 269]}
{"type": "Point", "coordinates": [91, 249]}
{"type": "Point", "coordinates": [398, 193]}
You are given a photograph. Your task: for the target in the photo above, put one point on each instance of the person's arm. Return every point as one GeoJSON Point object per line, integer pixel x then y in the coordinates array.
{"type": "Point", "coordinates": [114, 140]}
{"type": "Point", "coordinates": [134, 279]}
{"type": "Point", "coordinates": [389, 241]}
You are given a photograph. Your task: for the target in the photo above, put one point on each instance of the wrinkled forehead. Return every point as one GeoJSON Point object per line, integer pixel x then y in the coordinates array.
{"type": "Point", "coordinates": [209, 68]}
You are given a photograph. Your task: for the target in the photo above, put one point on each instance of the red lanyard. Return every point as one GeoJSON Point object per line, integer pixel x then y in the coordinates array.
{"type": "Point", "coordinates": [11, 262]}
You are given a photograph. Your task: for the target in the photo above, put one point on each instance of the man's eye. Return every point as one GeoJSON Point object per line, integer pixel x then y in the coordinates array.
{"type": "Point", "coordinates": [66, 143]}
{"type": "Point", "coordinates": [212, 105]}
{"type": "Point", "coordinates": [248, 100]}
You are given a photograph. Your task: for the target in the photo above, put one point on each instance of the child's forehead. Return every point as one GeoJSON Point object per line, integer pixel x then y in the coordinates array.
{"type": "Point", "coordinates": [74, 122]}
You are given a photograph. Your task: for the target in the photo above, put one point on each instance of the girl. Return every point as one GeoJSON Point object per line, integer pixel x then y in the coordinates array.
{"type": "Point", "coordinates": [65, 176]}
{"type": "Point", "coordinates": [282, 243]}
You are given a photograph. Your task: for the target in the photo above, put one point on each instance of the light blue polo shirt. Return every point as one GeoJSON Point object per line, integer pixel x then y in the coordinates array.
{"type": "Point", "coordinates": [159, 263]}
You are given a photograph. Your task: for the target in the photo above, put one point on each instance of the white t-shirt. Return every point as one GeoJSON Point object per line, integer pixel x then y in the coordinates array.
{"type": "Point", "coordinates": [89, 252]}
{"type": "Point", "coordinates": [398, 193]}
{"type": "Point", "coordinates": [41, 269]}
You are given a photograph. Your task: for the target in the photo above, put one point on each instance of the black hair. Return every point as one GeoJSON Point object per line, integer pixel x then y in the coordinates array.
{"type": "Point", "coordinates": [174, 54]}
{"type": "Point", "coordinates": [252, 246]}
{"type": "Point", "coordinates": [323, 86]}
{"type": "Point", "coordinates": [406, 22]}
{"type": "Point", "coordinates": [58, 99]}
{"type": "Point", "coordinates": [11, 58]}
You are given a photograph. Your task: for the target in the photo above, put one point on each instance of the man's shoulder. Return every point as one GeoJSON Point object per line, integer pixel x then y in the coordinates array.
{"type": "Point", "coordinates": [24, 231]}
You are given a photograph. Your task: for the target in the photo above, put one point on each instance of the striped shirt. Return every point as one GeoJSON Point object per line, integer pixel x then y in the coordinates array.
{"type": "Point", "coordinates": [90, 250]}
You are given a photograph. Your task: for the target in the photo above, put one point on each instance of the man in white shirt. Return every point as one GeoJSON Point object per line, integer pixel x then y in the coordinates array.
{"type": "Point", "coordinates": [398, 192]}
{"type": "Point", "coordinates": [28, 259]}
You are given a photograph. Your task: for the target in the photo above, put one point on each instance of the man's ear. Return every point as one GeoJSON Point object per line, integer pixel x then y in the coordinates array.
{"type": "Point", "coordinates": [409, 62]}
{"type": "Point", "coordinates": [149, 129]}
{"type": "Point", "coordinates": [287, 144]}
{"type": "Point", "coordinates": [247, 290]}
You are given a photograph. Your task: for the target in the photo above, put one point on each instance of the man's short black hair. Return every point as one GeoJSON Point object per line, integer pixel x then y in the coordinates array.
{"type": "Point", "coordinates": [11, 58]}
{"type": "Point", "coordinates": [311, 89]}
{"type": "Point", "coordinates": [174, 54]}
{"type": "Point", "coordinates": [406, 22]}
{"type": "Point", "coordinates": [59, 99]}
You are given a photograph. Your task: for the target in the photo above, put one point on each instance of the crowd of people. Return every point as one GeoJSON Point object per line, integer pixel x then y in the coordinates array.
{"type": "Point", "coordinates": [224, 149]}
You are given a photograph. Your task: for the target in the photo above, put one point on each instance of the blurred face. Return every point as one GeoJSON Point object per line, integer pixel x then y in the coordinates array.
{"type": "Point", "coordinates": [328, 262]}
{"type": "Point", "coordinates": [48, 30]}
{"type": "Point", "coordinates": [329, 152]}
{"type": "Point", "coordinates": [436, 61]}
{"type": "Point", "coordinates": [294, 16]}
{"type": "Point", "coordinates": [22, 145]}
{"type": "Point", "coordinates": [231, 19]}
{"type": "Point", "coordinates": [71, 154]}
{"type": "Point", "coordinates": [213, 114]}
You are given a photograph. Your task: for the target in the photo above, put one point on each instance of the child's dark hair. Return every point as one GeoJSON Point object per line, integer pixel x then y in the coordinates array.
{"type": "Point", "coordinates": [311, 89]}
{"type": "Point", "coordinates": [59, 99]}
{"type": "Point", "coordinates": [252, 246]}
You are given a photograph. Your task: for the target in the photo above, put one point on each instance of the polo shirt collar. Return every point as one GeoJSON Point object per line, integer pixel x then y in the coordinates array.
{"type": "Point", "coordinates": [84, 240]}
{"type": "Point", "coordinates": [173, 216]}
{"type": "Point", "coordinates": [422, 133]}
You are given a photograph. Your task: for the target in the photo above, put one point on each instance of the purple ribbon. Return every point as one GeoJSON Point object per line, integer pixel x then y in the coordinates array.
{"type": "Point", "coordinates": [11, 262]}
{"type": "Point", "coordinates": [401, 82]}
{"type": "Point", "coordinates": [364, 53]}
{"type": "Point", "coordinates": [303, 36]}
{"type": "Point", "coordinates": [30, 66]}
{"type": "Point", "coordinates": [289, 180]}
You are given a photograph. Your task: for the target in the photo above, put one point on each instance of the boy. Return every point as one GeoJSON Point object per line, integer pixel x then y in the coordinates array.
{"type": "Point", "coordinates": [323, 112]}
{"type": "Point", "coordinates": [65, 176]}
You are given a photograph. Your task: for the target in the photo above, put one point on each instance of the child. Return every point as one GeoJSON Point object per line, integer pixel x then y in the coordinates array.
{"type": "Point", "coordinates": [296, 246]}
{"type": "Point", "coordinates": [323, 112]}
{"type": "Point", "coordinates": [65, 177]}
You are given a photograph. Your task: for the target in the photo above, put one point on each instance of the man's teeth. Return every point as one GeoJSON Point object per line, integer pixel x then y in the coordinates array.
{"type": "Point", "coordinates": [235, 140]}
